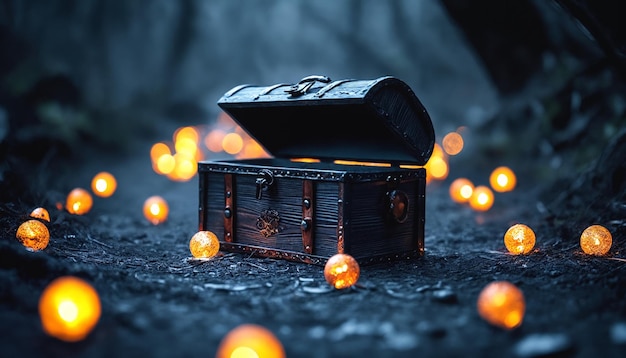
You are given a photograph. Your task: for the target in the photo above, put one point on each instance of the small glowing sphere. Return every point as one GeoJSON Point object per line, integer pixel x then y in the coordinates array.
{"type": "Point", "coordinates": [519, 239]}
{"type": "Point", "coordinates": [502, 179]}
{"type": "Point", "coordinates": [213, 140]}
{"type": "Point", "coordinates": [155, 209]}
{"type": "Point", "coordinates": [452, 143]}
{"type": "Point", "coordinates": [40, 213]}
{"type": "Point", "coordinates": [165, 164]}
{"type": "Point", "coordinates": [185, 167]}
{"type": "Point", "coordinates": [33, 234]}
{"type": "Point", "coordinates": [69, 309]}
{"type": "Point", "coordinates": [78, 201]}
{"type": "Point", "coordinates": [232, 143]}
{"type": "Point", "coordinates": [502, 304]}
{"type": "Point", "coordinates": [204, 244]}
{"type": "Point", "coordinates": [596, 240]}
{"type": "Point", "coordinates": [103, 184]}
{"type": "Point", "coordinates": [461, 190]}
{"type": "Point", "coordinates": [250, 341]}
{"type": "Point", "coordinates": [186, 133]}
{"type": "Point", "coordinates": [482, 198]}
{"type": "Point", "coordinates": [341, 271]}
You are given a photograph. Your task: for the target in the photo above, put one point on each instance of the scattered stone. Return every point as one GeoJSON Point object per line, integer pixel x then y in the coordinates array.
{"type": "Point", "coordinates": [445, 296]}
{"type": "Point", "coordinates": [542, 345]}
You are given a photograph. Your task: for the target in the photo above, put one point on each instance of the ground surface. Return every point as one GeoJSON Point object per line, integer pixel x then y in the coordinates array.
{"type": "Point", "coordinates": [157, 302]}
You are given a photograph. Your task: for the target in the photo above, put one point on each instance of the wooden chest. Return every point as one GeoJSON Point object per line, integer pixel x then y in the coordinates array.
{"type": "Point", "coordinates": [345, 176]}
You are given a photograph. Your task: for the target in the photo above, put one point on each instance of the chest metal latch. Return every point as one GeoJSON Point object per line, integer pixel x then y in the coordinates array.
{"type": "Point", "coordinates": [264, 179]}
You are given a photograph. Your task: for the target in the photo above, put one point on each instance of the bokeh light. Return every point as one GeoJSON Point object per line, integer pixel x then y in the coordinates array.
{"type": "Point", "coordinates": [232, 143]}
{"type": "Point", "coordinates": [482, 198]}
{"type": "Point", "coordinates": [341, 271]}
{"type": "Point", "coordinates": [461, 190]}
{"type": "Point", "coordinates": [33, 234]}
{"type": "Point", "coordinates": [250, 341]}
{"type": "Point", "coordinates": [502, 179]}
{"type": "Point", "coordinates": [69, 308]}
{"type": "Point", "coordinates": [519, 239]}
{"type": "Point", "coordinates": [596, 240]}
{"type": "Point", "coordinates": [78, 201]}
{"type": "Point", "coordinates": [103, 184]}
{"type": "Point", "coordinates": [155, 209]}
{"type": "Point", "coordinates": [204, 244]}
{"type": "Point", "coordinates": [452, 143]}
{"type": "Point", "coordinates": [502, 304]}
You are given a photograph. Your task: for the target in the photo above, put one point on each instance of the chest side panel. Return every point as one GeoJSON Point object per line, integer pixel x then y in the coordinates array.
{"type": "Point", "coordinates": [370, 230]}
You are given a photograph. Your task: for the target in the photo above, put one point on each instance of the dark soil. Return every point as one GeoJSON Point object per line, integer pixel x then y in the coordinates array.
{"type": "Point", "coordinates": [158, 302]}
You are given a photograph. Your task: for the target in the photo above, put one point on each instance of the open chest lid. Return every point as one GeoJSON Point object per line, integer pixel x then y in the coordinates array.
{"type": "Point", "coordinates": [379, 120]}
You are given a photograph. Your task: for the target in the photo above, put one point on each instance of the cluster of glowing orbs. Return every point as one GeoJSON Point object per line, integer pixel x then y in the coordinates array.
{"type": "Point", "coordinates": [103, 184]}
{"type": "Point", "coordinates": [519, 239]}
{"type": "Point", "coordinates": [341, 271]}
{"type": "Point", "coordinates": [204, 244]}
{"type": "Point", "coordinates": [78, 201]}
{"type": "Point", "coordinates": [250, 341]}
{"type": "Point", "coordinates": [452, 143]}
{"type": "Point", "coordinates": [33, 234]}
{"type": "Point", "coordinates": [502, 304]}
{"type": "Point", "coordinates": [69, 308]}
{"type": "Point", "coordinates": [461, 190]}
{"type": "Point", "coordinates": [596, 240]}
{"type": "Point", "coordinates": [213, 140]}
{"type": "Point", "coordinates": [155, 209]}
{"type": "Point", "coordinates": [502, 179]}
{"type": "Point", "coordinates": [482, 198]}
{"type": "Point", "coordinates": [40, 213]}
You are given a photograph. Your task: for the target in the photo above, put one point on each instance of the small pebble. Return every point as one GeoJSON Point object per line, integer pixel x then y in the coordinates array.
{"type": "Point", "coordinates": [444, 296]}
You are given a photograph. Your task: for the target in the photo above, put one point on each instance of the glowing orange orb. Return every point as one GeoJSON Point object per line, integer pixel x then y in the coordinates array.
{"type": "Point", "coordinates": [596, 240]}
{"type": "Point", "coordinates": [204, 244]}
{"type": "Point", "coordinates": [78, 201]}
{"type": "Point", "coordinates": [452, 143]}
{"type": "Point", "coordinates": [69, 308]}
{"type": "Point", "coordinates": [502, 304]}
{"type": "Point", "coordinates": [461, 190]}
{"type": "Point", "coordinates": [519, 239]}
{"type": "Point", "coordinates": [341, 271]}
{"type": "Point", "coordinates": [155, 209]}
{"type": "Point", "coordinates": [103, 184]}
{"type": "Point", "coordinates": [40, 213]}
{"type": "Point", "coordinates": [502, 179]}
{"type": "Point", "coordinates": [250, 341]}
{"type": "Point", "coordinates": [232, 143]}
{"type": "Point", "coordinates": [33, 234]}
{"type": "Point", "coordinates": [482, 198]}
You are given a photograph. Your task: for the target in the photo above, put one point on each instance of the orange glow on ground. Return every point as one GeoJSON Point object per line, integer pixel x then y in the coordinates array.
{"type": "Point", "coordinates": [482, 198]}
{"type": "Point", "coordinates": [78, 201]}
{"type": "Point", "coordinates": [502, 179]}
{"type": "Point", "coordinates": [452, 143]}
{"type": "Point", "coordinates": [461, 190]}
{"type": "Point", "coordinates": [305, 160]}
{"type": "Point", "coordinates": [33, 234]}
{"type": "Point", "coordinates": [519, 239]}
{"type": "Point", "coordinates": [103, 184]}
{"type": "Point", "coordinates": [502, 304]}
{"type": "Point", "coordinates": [596, 240]}
{"type": "Point", "coordinates": [341, 271]}
{"type": "Point", "coordinates": [250, 341]}
{"type": "Point", "coordinates": [155, 209]}
{"type": "Point", "coordinates": [69, 309]}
